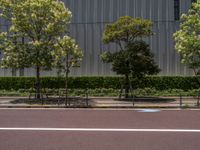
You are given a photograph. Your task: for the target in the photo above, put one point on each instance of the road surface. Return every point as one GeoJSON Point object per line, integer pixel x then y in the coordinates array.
{"type": "Point", "coordinates": [60, 129]}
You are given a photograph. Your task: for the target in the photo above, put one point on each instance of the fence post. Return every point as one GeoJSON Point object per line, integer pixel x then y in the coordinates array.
{"type": "Point", "coordinates": [181, 100]}
{"type": "Point", "coordinates": [86, 97]}
{"type": "Point", "coordinates": [42, 98]}
{"type": "Point", "coordinates": [69, 103]}
{"type": "Point", "coordinates": [198, 104]}
{"type": "Point", "coordinates": [133, 100]}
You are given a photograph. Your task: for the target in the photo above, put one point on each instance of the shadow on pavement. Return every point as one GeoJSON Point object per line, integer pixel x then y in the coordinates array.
{"type": "Point", "coordinates": [78, 101]}
{"type": "Point", "coordinates": [148, 99]}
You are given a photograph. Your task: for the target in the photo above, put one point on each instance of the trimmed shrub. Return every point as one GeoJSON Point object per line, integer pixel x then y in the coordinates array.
{"type": "Point", "coordinates": [156, 82]}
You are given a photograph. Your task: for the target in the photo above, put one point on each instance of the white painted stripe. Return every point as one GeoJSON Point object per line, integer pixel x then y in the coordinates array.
{"type": "Point", "coordinates": [149, 110]}
{"type": "Point", "coordinates": [99, 130]}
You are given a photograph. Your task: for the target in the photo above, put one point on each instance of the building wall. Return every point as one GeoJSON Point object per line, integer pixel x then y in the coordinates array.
{"type": "Point", "coordinates": [91, 16]}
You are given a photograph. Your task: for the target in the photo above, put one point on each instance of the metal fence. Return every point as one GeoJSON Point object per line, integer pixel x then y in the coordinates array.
{"type": "Point", "coordinates": [86, 100]}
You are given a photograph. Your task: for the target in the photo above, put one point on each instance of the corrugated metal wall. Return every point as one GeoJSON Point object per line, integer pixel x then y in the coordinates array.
{"type": "Point", "coordinates": [91, 16]}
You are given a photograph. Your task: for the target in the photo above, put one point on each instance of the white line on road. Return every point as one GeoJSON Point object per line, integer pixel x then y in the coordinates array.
{"type": "Point", "coordinates": [99, 130]}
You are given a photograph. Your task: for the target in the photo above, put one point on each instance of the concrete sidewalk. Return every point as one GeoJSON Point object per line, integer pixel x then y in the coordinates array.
{"type": "Point", "coordinates": [106, 102]}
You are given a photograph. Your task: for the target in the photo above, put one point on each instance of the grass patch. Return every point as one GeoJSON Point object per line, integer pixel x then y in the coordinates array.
{"type": "Point", "coordinates": [103, 92]}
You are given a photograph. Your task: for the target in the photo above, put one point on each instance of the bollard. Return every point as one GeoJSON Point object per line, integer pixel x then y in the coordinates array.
{"type": "Point", "coordinates": [181, 100]}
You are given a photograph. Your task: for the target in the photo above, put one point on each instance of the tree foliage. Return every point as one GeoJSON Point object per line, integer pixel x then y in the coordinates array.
{"type": "Point", "coordinates": [40, 23]}
{"type": "Point", "coordinates": [126, 30]}
{"type": "Point", "coordinates": [66, 50]}
{"type": "Point", "coordinates": [37, 35]}
{"type": "Point", "coordinates": [187, 38]}
{"type": "Point", "coordinates": [134, 57]}
{"type": "Point", "coordinates": [67, 54]}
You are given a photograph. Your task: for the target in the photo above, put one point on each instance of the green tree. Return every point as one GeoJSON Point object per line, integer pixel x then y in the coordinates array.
{"type": "Point", "coordinates": [42, 24]}
{"type": "Point", "coordinates": [67, 54]}
{"type": "Point", "coordinates": [187, 38]}
{"type": "Point", "coordinates": [134, 57]}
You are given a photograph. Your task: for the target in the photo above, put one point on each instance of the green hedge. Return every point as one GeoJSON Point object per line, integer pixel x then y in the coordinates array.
{"type": "Point", "coordinates": [159, 83]}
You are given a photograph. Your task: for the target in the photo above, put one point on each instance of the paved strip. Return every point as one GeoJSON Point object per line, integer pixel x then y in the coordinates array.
{"type": "Point", "coordinates": [185, 119]}
{"type": "Point", "coordinates": [100, 130]}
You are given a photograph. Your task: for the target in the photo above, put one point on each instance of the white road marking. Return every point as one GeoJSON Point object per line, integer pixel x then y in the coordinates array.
{"type": "Point", "coordinates": [149, 110]}
{"type": "Point", "coordinates": [99, 130]}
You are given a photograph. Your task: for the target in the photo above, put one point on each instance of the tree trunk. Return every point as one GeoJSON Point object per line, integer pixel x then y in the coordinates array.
{"type": "Point", "coordinates": [38, 84]}
{"type": "Point", "coordinates": [196, 74]}
{"type": "Point", "coordinates": [66, 81]}
{"type": "Point", "coordinates": [127, 88]}
{"type": "Point", "coordinates": [66, 88]}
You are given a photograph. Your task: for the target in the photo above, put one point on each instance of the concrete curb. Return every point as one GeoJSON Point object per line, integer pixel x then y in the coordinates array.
{"type": "Point", "coordinates": [106, 107]}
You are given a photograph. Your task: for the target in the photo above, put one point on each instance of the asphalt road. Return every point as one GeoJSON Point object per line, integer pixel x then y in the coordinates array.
{"type": "Point", "coordinates": [51, 129]}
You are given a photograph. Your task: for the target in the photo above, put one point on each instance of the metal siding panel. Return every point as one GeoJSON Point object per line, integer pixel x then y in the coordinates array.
{"type": "Point", "coordinates": [89, 43]}
{"type": "Point", "coordinates": [155, 10]}
{"type": "Point", "coordinates": [163, 10]}
{"type": "Point", "coordinates": [88, 23]}
{"type": "Point", "coordinates": [81, 35]}
{"type": "Point", "coordinates": [170, 13]}
{"type": "Point", "coordinates": [110, 13]}
{"type": "Point", "coordinates": [148, 9]}
{"type": "Point", "coordinates": [131, 8]}
{"type": "Point", "coordinates": [144, 9]}
{"type": "Point", "coordinates": [171, 50]}
{"type": "Point", "coordinates": [95, 49]}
